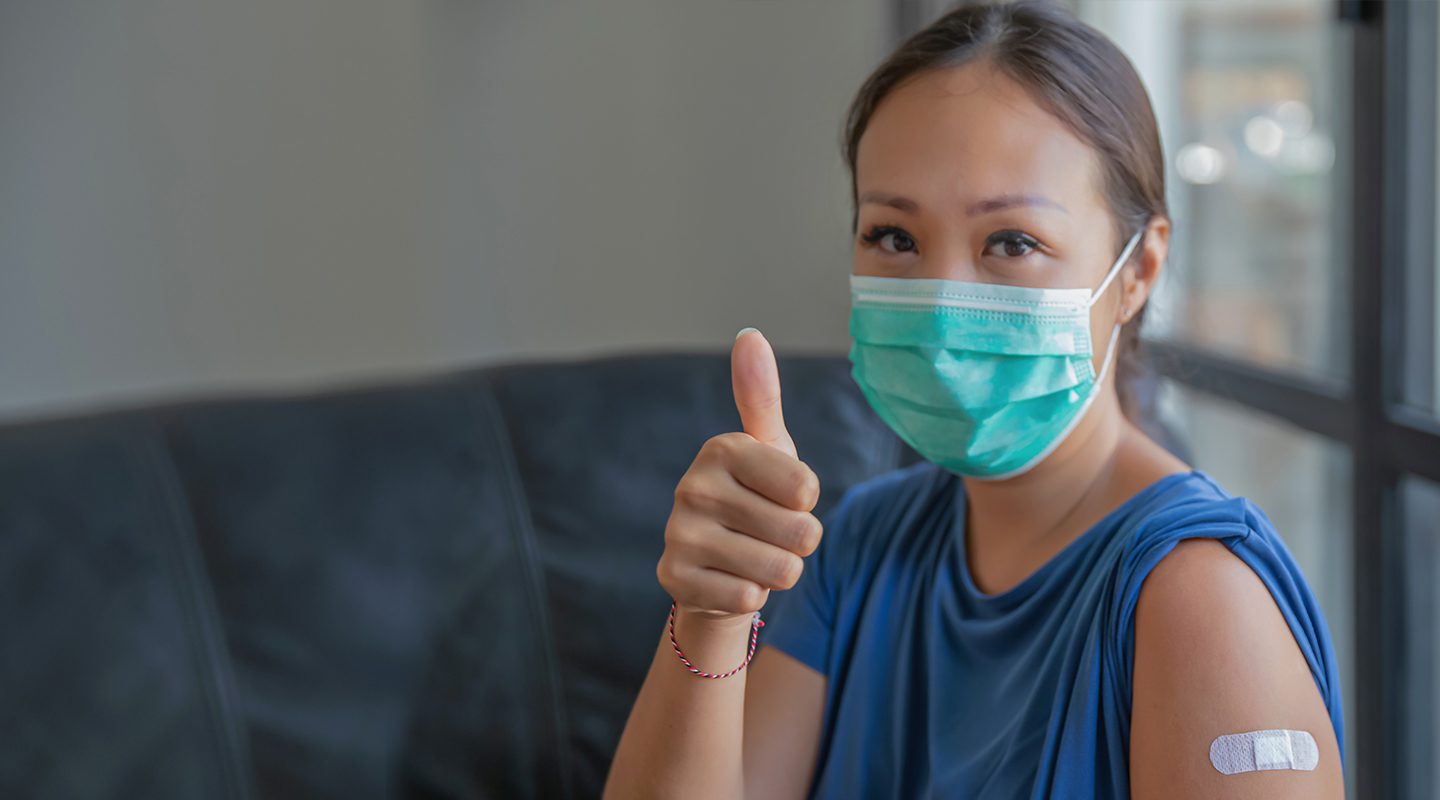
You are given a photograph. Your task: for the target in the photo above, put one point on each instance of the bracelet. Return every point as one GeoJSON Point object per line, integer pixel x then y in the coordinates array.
{"type": "Point", "coordinates": [755, 626]}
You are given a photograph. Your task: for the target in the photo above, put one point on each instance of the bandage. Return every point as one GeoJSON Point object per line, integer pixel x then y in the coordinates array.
{"type": "Point", "coordinates": [1261, 750]}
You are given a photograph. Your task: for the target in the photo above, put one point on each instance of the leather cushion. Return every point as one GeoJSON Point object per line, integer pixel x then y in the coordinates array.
{"type": "Point", "coordinates": [113, 678]}
{"type": "Point", "coordinates": [344, 535]}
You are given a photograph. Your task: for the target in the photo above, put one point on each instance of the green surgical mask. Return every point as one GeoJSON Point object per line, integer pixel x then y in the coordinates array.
{"type": "Point", "coordinates": [982, 379]}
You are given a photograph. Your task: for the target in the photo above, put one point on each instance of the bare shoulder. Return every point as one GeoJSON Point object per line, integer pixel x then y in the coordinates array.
{"type": "Point", "coordinates": [1214, 657]}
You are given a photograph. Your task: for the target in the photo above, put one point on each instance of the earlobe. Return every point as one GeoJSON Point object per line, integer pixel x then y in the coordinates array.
{"type": "Point", "coordinates": [1132, 295]}
{"type": "Point", "coordinates": [1145, 271]}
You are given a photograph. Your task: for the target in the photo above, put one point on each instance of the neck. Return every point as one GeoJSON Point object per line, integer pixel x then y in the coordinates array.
{"type": "Point", "coordinates": [1015, 525]}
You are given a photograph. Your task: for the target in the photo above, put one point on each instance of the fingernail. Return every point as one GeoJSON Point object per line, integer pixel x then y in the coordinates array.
{"type": "Point", "coordinates": [744, 331]}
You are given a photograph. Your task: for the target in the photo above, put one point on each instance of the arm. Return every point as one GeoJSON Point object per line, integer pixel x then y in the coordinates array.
{"type": "Point", "coordinates": [684, 735]}
{"type": "Point", "coordinates": [689, 737]}
{"type": "Point", "coordinates": [784, 711]}
{"type": "Point", "coordinates": [740, 526]}
{"type": "Point", "coordinates": [1213, 657]}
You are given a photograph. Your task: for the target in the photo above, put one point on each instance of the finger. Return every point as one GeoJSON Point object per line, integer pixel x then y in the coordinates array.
{"type": "Point", "coordinates": [745, 511]}
{"type": "Point", "coordinates": [774, 475]}
{"type": "Point", "coordinates": [757, 390]}
{"type": "Point", "coordinates": [746, 557]}
{"type": "Point", "coordinates": [715, 590]}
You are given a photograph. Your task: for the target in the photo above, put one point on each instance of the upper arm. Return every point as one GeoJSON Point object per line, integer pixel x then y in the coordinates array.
{"type": "Point", "coordinates": [784, 694]}
{"type": "Point", "coordinates": [784, 711]}
{"type": "Point", "coordinates": [1214, 656]}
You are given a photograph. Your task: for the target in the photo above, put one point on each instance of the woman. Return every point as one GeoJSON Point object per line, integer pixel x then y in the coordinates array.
{"type": "Point", "coordinates": [1052, 605]}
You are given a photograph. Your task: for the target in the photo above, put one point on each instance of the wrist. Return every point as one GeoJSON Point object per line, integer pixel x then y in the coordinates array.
{"type": "Point", "coordinates": [713, 642]}
{"type": "Point", "coordinates": [704, 622]}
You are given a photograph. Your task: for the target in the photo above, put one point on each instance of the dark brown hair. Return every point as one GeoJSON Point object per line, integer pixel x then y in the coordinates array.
{"type": "Point", "coordinates": [1075, 73]}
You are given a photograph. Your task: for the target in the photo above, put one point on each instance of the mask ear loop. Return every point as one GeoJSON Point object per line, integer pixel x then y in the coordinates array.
{"type": "Point", "coordinates": [1109, 354]}
{"type": "Point", "coordinates": [1115, 270]}
{"type": "Point", "coordinates": [1114, 333]}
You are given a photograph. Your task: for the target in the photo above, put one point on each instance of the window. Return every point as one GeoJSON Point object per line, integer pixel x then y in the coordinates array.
{"type": "Point", "coordinates": [1420, 517]}
{"type": "Point", "coordinates": [1420, 376]}
{"type": "Point", "coordinates": [1259, 263]}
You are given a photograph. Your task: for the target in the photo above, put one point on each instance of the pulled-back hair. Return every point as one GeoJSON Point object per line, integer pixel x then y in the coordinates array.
{"type": "Point", "coordinates": [1073, 72]}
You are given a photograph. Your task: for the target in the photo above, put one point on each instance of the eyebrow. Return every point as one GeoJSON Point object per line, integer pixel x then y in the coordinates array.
{"type": "Point", "coordinates": [892, 200]}
{"type": "Point", "coordinates": [1013, 201]}
{"type": "Point", "coordinates": [988, 206]}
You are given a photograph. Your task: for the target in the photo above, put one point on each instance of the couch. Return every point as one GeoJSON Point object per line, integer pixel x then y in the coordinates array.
{"type": "Point", "coordinates": [433, 589]}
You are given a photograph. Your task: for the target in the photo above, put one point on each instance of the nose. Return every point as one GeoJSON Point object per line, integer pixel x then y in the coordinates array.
{"type": "Point", "coordinates": [951, 262]}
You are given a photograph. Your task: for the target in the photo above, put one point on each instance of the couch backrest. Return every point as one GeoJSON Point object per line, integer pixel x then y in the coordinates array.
{"type": "Point", "coordinates": [113, 675]}
{"type": "Point", "coordinates": [439, 589]}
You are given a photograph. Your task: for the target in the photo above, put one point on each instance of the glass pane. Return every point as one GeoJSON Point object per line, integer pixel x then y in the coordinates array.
{"type": "Point", "coordinates": [1249, 98]}
{"type": "Point", "coordinates": [1421, 366]}
{"type": "Point", "coordinates": [1420, 510]}
{"type": "Point", "coordinates": [1302, 483]}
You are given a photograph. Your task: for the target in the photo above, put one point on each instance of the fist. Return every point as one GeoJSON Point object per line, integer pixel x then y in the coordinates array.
{"type": "Point", "coordinates": [741, 521]}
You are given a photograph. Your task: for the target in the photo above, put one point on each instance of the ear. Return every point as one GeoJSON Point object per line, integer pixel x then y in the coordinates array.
{"type": "Point", "coordinates": [1138, 281]}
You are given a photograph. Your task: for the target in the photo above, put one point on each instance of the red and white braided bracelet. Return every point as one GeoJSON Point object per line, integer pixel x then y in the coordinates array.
{"type": "Point", "coordinates": [755, 626]}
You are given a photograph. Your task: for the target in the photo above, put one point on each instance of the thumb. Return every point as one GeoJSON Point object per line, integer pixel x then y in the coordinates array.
{"type": "Point", "coordinates": [757, 390]}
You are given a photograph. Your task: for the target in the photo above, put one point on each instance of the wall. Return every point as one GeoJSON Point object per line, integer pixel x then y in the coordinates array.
{"type": "Point", "coordinates": [201, 197]}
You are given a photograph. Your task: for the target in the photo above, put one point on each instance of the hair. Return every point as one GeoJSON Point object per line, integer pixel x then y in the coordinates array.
{"type": "Point", "coordinates": [1076, 74]}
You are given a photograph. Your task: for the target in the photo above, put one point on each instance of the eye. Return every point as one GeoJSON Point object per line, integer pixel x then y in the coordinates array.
{"type": "Point", "coordinates": [1010, 244]}
{"type": "Point", "coordinates": [890, 239]}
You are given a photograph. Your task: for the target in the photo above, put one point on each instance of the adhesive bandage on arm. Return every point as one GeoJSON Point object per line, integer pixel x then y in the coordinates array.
{"type": "Point", "coordinates": [1262, 750]}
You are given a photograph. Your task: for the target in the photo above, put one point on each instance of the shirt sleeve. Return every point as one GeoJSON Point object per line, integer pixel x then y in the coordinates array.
{"type": "Point", "coordinates": [801, 621]}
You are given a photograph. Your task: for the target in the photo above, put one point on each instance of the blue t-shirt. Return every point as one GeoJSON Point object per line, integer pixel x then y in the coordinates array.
{"type": "Point", "coordinates": [937, 690]}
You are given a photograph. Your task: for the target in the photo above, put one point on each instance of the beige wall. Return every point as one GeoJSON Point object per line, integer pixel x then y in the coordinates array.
{"type": "Point", "coordinates": [199, 197]}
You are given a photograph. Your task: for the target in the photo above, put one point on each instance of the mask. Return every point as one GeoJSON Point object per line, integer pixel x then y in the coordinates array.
{"type": "Point", "coordinates": [984, 380]}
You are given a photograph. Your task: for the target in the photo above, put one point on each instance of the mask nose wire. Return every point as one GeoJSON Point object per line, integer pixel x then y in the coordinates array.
{"type": "Point", "coordinates": [1115, 270]}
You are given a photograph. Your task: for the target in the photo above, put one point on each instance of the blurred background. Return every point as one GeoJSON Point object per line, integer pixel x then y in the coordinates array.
{"type": "Point", "coordinates": [202, 198]}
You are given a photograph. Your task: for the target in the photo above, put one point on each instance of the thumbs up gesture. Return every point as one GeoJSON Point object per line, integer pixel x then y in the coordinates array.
{"type": "Point", "coordinates": [741, 520]}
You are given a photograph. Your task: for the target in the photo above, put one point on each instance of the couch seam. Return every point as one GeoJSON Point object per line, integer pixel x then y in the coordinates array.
{"type": "Point", "coordinates": [523, 533]}
{"type": "Point", "coordinates": [202, 617]}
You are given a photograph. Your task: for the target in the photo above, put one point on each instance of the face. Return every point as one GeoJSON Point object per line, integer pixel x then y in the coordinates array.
{"type": "Point", "coordinates": [961, 175]}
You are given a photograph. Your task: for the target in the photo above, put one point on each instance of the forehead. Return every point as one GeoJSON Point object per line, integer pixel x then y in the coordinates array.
{"type": "Point", "coordinates": [971, 132]}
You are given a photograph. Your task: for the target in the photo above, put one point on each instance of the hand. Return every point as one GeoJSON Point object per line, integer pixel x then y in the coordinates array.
{"type": "Point", "coordinates": [741, 520]}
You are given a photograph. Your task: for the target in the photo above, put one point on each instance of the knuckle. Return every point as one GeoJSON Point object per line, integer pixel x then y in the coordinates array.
{"type": "Point", "coordinates": [785, 570]}
{"type": "Point", "coordinates": [807, 490]}
{"type": "Point", "coordinates": [796, 531]}
{"type": "Point", "coordinates": [724, 446]}
{"type": "Point", "coordinates": [711, 448]}
{"type": "Point", "coordinates": [665, 573]}
{"type": "Point", "coordinates": [694, 493]}
{"type": "Point", "coordinates": [680, 539]}
{"type": "Point", "coordinates": [798, 485]}
{"type": "Point", "coordinates": [675, 524]}
{"type": "Point", "coordinates": [807, 536]}
{"type": "Point", "coordinates": [749, 597]}
{"type": "Point", "coordinates": [685, 490]}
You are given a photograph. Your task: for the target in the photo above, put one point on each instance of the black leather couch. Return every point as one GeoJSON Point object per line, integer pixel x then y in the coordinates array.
{"type": "Point", "coordinates": [438, 589]}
